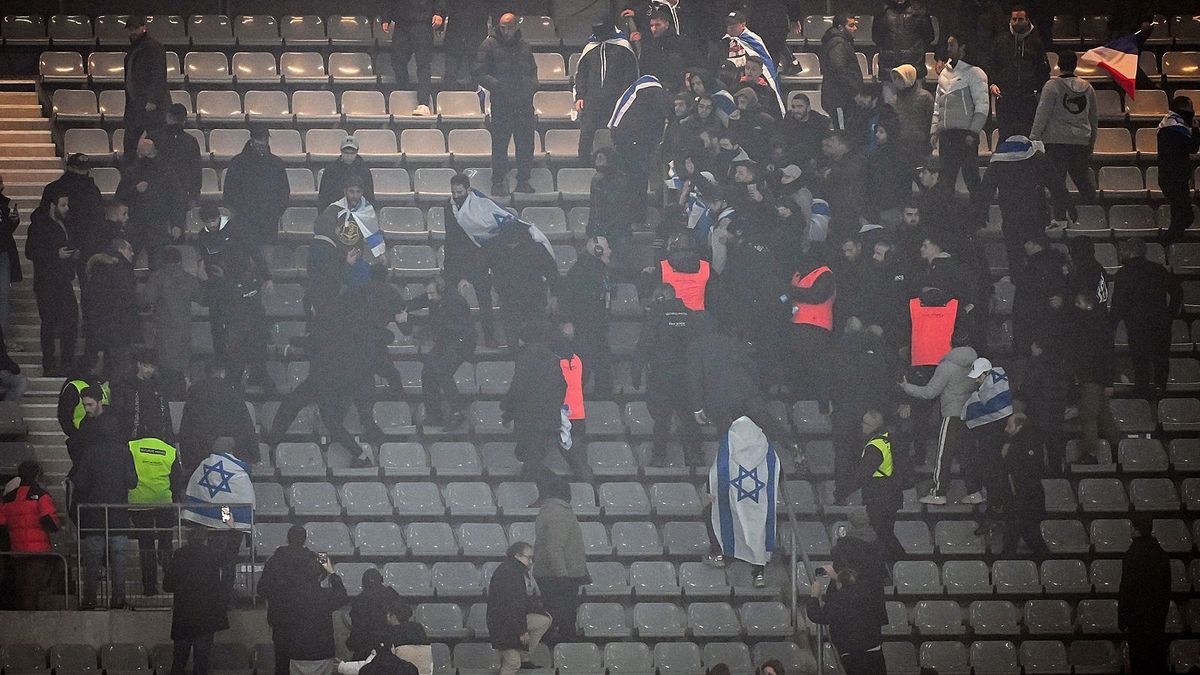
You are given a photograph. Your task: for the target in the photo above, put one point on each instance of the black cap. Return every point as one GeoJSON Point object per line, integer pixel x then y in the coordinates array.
{"type": "Point", "coordinates": [734, 17]}
{"type": "Point", "coordinates": [135, 21]}
{"type": "Point", "coordinates": [78, 161]}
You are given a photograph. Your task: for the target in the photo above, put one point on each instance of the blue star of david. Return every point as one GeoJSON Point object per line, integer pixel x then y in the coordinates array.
{"type": "Point", "coordinates": [756, 485]}
{"type": "Point", "coordinates": [224, 476]}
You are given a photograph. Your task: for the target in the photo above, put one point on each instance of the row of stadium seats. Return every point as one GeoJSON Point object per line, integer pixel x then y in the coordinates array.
{"type": "Point", "coordinates": [934, 618]}
{"type": "Point", "coordinates": [1063, 577]}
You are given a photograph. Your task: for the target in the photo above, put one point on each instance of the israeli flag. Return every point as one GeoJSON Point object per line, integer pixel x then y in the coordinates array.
{"type": "Point", "coordinates": [745, 481]}
{"type": "Point", "coordinates": [481, 218]}
{"type": "Point", "coordinates": [752, 42]}
{"type": "Point", "coordinates": [618, 39]}
{"type": "Point", "coordinates": [368, 224]}
{"type": "Point", "coordinates": [630, 96]}
{"type": "Point", "coordinates": [221, 479]}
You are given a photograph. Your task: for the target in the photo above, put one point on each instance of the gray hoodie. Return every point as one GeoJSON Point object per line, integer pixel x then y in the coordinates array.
{"type": "Point", "coordinates": [949, 384]}
{"type": "Point", "coordinates": [1066, 113]}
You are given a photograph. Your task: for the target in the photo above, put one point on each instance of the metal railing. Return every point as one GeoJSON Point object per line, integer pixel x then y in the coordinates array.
{"type": "Point", "coordinates": [108, 531]}
{"type": "Point", "coordinates": [794, 569]}
{"type": "Point", "coordinates": [66, 594]}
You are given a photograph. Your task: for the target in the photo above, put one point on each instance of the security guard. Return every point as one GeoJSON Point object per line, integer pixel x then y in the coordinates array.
{"type": "Point", "coordinates": [683, 270]}
{"type": "Point", "coordinates": [70, 408]}
{"type": "Point", "coordinates": [811, 294]}
{"type": "Point", "coordinates": [882, 493]}
{"type": "Point", "coordinates": [160, 477]}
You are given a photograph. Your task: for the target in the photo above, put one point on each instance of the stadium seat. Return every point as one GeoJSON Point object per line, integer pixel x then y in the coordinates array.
{"type": "Point", "coordinates": [1105, 575]}
{"type": "Point", "coordinates": [917, 577]}
{"type": "Point", "coordinates": [207, 68]}
{"type": "Point", "coordinates": [315, 107]}
{"type": "Point", "coordinates": [1114, 145]}
{"type": "Point", "coordinates": [331, 537]}
{"type": "Point", "coordinates": [75, 105]}
{"type": "Point", "coordinates": [605, 620]}
{"type": "Point", "coordinates": [219, 107]}
{"type": "Point", "coordinates": [994, 617]}
{"type": "Point", "coordinates": [470, 500]}
{"type": "Point", "coordinates": [957, 537]}
{"type": "Point", "coordinates": [1044, 656]}
{"type": "Point", "coordinates": [1098, 495]}
{"type": "Point", "coordinates": [424, 146]}
{"type": "Point", "coordinates": [392, 185]}
{"type": "Point", "coordinates": [442, 621]}
{"type": "Point", "coordinates": [1065, 577]}
{"type": "Point", "coordinates": [994, 658]}
{"type": "Point", "coordinates": [352, 68]}
{"type": "Point", "coordinates": [897, 615]}
{"type": "Point", "coordinates": [1110, 535]}
{"type": "Point", "coordinates": [966, 577]}
{"type": "Point", "coordinates": [431, 540]}
{"type": "Point", "coordinates": [553, 106]}
{"type": "Point", "coordinates": [678, 658]}
{"type": "Point", "coordinates": [270, 107]}
{"type": "Point", "coordinates": [938, 617]}
{"type": "Point", "coordinates": [1121, 182]}
{"type": "Point", "coordinates": [655, 578]}
{"type": "Point", "coordinates": [628, 658]}
{"type": "Point", "coordinates": [105, 67]}
{"type": "Point", "coordinates": [735, 655]}
{"type": "Point", "coordinates": [61, 68]}
{"type": "Point", "coordinates": [367, 499]}
{"type": "Point", "coordinates": [636, 540]}
{"type": "Point", "coordinates": [1180, 67]}
{"type": "Point", "coordinates": [659, 620]}
{"type": "Point", "coordinates": [417, 499]}
{"type": "Point", "coordinates": [314, 500]}
{"type": "Point", "coordinates": [352, 31]}
{"type": "Point", "coordinates": [1015, 577]}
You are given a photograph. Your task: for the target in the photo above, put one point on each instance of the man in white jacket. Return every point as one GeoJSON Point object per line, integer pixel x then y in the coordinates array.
{"type": "Point", "coordinates": [960, 110]}
{"type": "Point", "coordinates": [1067, 121]}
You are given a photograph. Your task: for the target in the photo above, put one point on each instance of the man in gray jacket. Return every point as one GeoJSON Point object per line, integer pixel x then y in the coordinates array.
{"type": "Point", "coordinates": [960, 109]}
{"type": "Point", "coordinates": [560, 561]}
{"type": "Point", "coordinates": [1068, 122]}
{"type": "Point", "coordinates": [952, 386]}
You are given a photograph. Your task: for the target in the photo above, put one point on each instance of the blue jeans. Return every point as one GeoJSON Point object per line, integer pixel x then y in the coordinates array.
{"type": "Point", "coordinates": [93, 559]}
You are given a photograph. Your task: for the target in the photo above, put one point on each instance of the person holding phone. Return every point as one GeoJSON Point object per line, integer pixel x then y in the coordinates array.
{"type": "Point", "coordinates": [301, 592]}
{"type": "Point", "coordinates": [54, 254]}
{"type": "Point", "coordinates": [855, 612]}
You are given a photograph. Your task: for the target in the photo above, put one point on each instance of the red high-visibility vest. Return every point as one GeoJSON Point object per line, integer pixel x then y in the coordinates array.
{"type": "Point", "coordinates": [572, 370]}
{"type": "Point", "coordinates": [689, 286]}
{"type": "Point", "coordinates": [932, 328]}
{"type": "Point", "coordinates": [820, 314]}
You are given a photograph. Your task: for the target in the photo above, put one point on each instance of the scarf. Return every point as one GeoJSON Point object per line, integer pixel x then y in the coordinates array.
{"type": "Point", "coordinates": [618, 39]}
{"type": "Point", "coordinates": [1174, 123]}
{"type": "Point", "coordinates": [368, 225]}
{"type": "Point", "coordinates": [1017, 149]}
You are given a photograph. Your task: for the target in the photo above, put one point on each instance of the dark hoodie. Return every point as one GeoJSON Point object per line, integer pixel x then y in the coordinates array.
{"type": "Point", "coordinates": [256, 190]}
{"type": "Point", "coordinates": [335, 176]}
{"type": "Point", "coordinates": [842, 77]}
{"type": "Point", "coordinates": [109, 305]}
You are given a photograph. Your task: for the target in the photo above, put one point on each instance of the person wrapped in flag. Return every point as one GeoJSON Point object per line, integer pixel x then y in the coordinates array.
{"type": "Point", "coordinates": [743, 484]}
{"type": "Point", "coordinates": [607, 66]}
{"type": "Point", "coordinates": [346, 242]}
{"type": "Point", "coordinates": [742, 43]}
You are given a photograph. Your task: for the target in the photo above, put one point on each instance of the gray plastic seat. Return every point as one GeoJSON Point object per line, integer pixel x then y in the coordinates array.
{"type": "Point", "coordinates": [917, 577]}
{"type": "Point", "coordinates": [454, 579]}
{"type": "Point", "coordinates": [417, 500]}
{"type": "Point", "coordinates": [624, 499]}
{"type": "Point", "coordinates": [441, 620]}
{"type": "Point", "coordinates": [92, 142]}
{"type": "Point", "coordinates": [628, 658]}
{"type": "Point", "coordinates": [938, 617]}
{"type": "Point", "coordinates": [994, 658]}
{"type": "Point", "coordinates": [1110, 535]}
{"type": "Point", "coordinates": [111, 105]}
{"type": "Point", "coordinates": [1016, 577]}
{"type": "Point", "coordinates": [219, 107]}
{"type": "Point", "coordinates": [433, 540]}
{"type": "Point", "coordinates": [1094, 656]}
{"type": "Point", "coordinates": [72, 658]}
{"type": "Point", "coordinates": [271, 107]}
{"type": "Point", "coordinates": [352, 68]}
{"type": "Point", "coordinates": [485, 416]}
{"type": "Point", "coordinates": [703, 581]}
{"type": "Point", "coordinates": [659, 620]}
{"type": "Point", "coordinates": [392, 185]}
{"type": "Point", "coordinates": [207, 68]}
{"type": "Point", "coordinates": [994, 617]}
{"type": "Point", "coordinates": [1065, 537]}
{"type": "Point", "coordinates": [299, 460]}
{"type": "Point", "coordinates": [455, 460]}
{"type": "Point", "coordinates": [314, 499]}
{"type": "Point", "coordinates": [127, 658]}
{"type": "Point", "coordinates": [945, 658]}
{"type": "Point", "coordinates": [966, 577]}
{"type": "Point", "coordinates": [475, 658]}
{"type": "Point", "coordinates": [610, 458]}
{"type": "Point", "coordinates": [897, 625]}
{"type": "Point", "coordinates": [1047, 657]}
{"type": "Point", "coordinates": [677, 658]}
{"type": "Point", "coordinates": [332, 538]}
{"type": "Point", "coordinates": [1153, 494]}
{"type": "Point", "coordinates": [604, 419]}
{"type": "Point", "coordinates": [899, 658]}
{"type": "Point", "coordinates": [514, 499]}
{"type": "Point", "coordinates": [1097, 617]}
{"type": "Point", "coordinates": [225, 144]}
{"type": "Point", "coordinates": [1047, 617]}
{"type": "Point", "coordinates": [766, 619]}
{"type": "Point", "coordinates": [494, 377]}
{"type": "Point", "coordinates": [482, 540]}
{"type": "Point", "coordinates": [410, 579]}
{"type": "Point", "coordinates": [351, 574]}
{"type": "Point", "coordinates": [315, 107]}
{"type": "Point", "coordinates": [269, 536]}
{"type": "Point", "coordinates": [255, 68]}
{"type": "Point", "coordinates": [914, 537]}
{"type": "Point", "coordinates": [366, 499]}
{"type": "Point", "coordinates": [595, 539]}
{"type": "Point", "coordinates": [735, 655]}
{"type": "Point", "coordinates": [424, 145]}
{"type": "Point", "coordinates": [808, 420]}
{"type": "Point", "coordinates": [1133, 416]}
{"type": "Point", "coordinates": [470, 500]}
{"type": "Point", "coordinates": [103, 68]}
{"type": "Point", "coordinates": [1105, 575]}
{"type": "Point", "coordinates": [603, 620]}
{"type": "Point", "coordinates": [459, 107]}
{"type": "Point", "coordinates": [270, 501]}
{"type": "Point", "coordinates": [636, 540]}
{"type": "Point", "coordinates": [1098, 495]}
{"type": "Point", "coordinates": [957, 537]}
{"type": "Point", "coordinates": [1060, 498]}
{"type": "Point", "coordinates": [577, 658]}
{"type": "Point", "coordinates": [1173, 535]}
{"type": "Point", "coordinates": [813, 537]}
{"type": "Point", "coordinates": [609, 580]}
{"type": "Point", "coordinates": [403, 459]}
{"type": "Point", "coordinates": [1184, 654]}
{"type": "Point", "coordinates": [583, 501]}
{"type": "Point", "coordinates": [654, 578]}
{"type": "Point", "coordinates": [75, 105]}
{"type": "Point", "coordinates": [378, 146]}
{"type": "Point", "coordinates": [1179, 414]}
{"type": "Point", "coordinates": [61, 68]}
{"type": "Point", "coordinates": [1065, 577]}
{"type": "Point", "coordinates": [786, 652]}
{"type": "Point", "coordinates": [685, 538]}
{"type": "Point", "coordinates": [365, 107]}
{"type": "Point", "coordinates": [675, 500]}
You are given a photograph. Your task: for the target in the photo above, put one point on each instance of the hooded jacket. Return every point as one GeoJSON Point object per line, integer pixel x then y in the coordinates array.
{"type": "Point", "coordinates": [949, 384]}
{"type": "Point", "coordinates": [842, 77]}
{"type": "Point", "coordinates": [1066, 113]}
{"type": "Point", "coordinates": [914, 108]}
{"type": "Point", "coordinates": [256, 190]}
{"type": "Point", "coordinates": [171, 292]}
{"type": "Point", "coordinates": [606, 68]}
{"type": "Point", "coordinates": [560, 552]}
{"type": "Point", "coordinates": [1018, 66]}
{"type": "Point", "coordinates": [28, 514]}
{"type": "Point", "coordinates": [298, 607]}
{"type": "Point", "coordinates": [903, 31]}
{"type": "Point", "coordinates": [962, 100]}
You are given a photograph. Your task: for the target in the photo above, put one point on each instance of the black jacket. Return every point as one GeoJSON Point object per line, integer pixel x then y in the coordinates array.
{"type": "Point", "coordinates": [146, 80]}
{"type": "Point", "coordinates": [1022, 465]}
{"type": "Point", "coordinates": [368, 618]}
{"type": "Point", "coordinates": [87, 204]}
{"type": "Point", "coordinates": [414, 11]}
{"type": "Point", "coordinates": [1145, 592]}
{"type": "Point", "coordinates": [8, 244]}
{"type": "Point", "coordinates": [951, 275]}
{"type": "Point", "coordinates": [162, 206]}
{"type": "Point", "coordinates": [976, 22]}
{"type": "Point", "coordinates": [109, 306]}
{"type": "Point", "coordinates": [585, 295]}
{"type": "Point", "coordinates": [721, 375]}
{"type": "Point", "coordinates": [201, 601]}
{"type": "Point", "coordinates": [668, 329]}
{"type": "Point", "coordinates": [1175, 147]}
{"type": "Point", "coordinates": [449, 320]}
{"type": "Point", "coordinates": [1022, 198]}
{"type": "Point", "coordinates": [903, 32]}
{"type": "Point", "coordinates": [103, 471]}
{"type": "Point", "coordinates": [335, 176]}
{"type": "Point", "coordinates": [180, 152]}
{"type": "Point", "coordinates": [143, 409]}
{"type": "Point", "coordinates": [1018, 67]}
{"type": "Point", "coordinates": [602, 75]}
{"type": "Point", "coordinates": [535, 397]}
{"type": "Point", "coordinates": [522, 268]}
{"type": "Point", "coordinates": [508, 603]}
{"type": "Point", "coordinates": [801, 139]}
{"type": "Point", "coordinates": [1042, 277]}
{"type": "Point", "coordinates": [644, 120]}
{"type": "Point", "coordinates": [256, 190]}
{"type": "Point", "coordinates": [855, 614]}
{"type": "Point", "coordinates": [214, 408]}
{"type": "Point", "coordinates": [610, 211]}
{"type": "Point", "coordinates": [298, 607]}
{"type": "Point", "coordinates": [667, 57]}
{"type": "Point", "coordinates": [1089, 345]}
{"type": "Point", "coordinates": [507, 70]}
{"type": "Point", "coordinates": [1145, 296]}
{"type": "Point", "coordinates": [215, 247]}
{"type": "Point", "coordinates": [841, 75]}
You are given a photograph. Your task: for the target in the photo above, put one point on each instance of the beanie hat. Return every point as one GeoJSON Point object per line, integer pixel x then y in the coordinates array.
{"type": "Point", "coordinates": [906, 73]}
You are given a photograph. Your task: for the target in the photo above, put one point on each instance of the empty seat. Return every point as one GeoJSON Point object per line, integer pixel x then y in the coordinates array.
{"type": "Point", "coordinates": [578, 659]}
{"type": "Point", "coordinates": [1142, 455]}
{"type": "Point", "coordinates": [945, 657]}
{"type": "Point", "coordinates": [1132, 415]}
{"type": "Point", "coordinates": [314, 499]}
{"type": "Point", "coordinates": [1114, 145]}
{"type": "Point", "coordinates": [74, 105]}
{"type": "Point", "coordinates": [315, 107]}
{"type": "Point", "coordinates": [1110, 535]}
{"type": "Point", "coordinates": [364, 107]}
{"type": "Point", "coordinates": [703, 581]}
{"type": "Point", "coordinates": [62, 67]}
{"type": "Point", "coordinates": [735, 655]}
{"type": "Point", "coordinates": [1180, 66]}
{"type": "Point", "coordinates": [1121, 182]}
{"type": "Point", "coordinates": [659, 620]}
{"type": "Point", "coordinates": [958, 537]}
{"type": "Point", "coordinates": [1044, 656]}
{"type": "Point", "coordinates": [106, 67]}
{"type": "Point", "coordinates": [938, 617]}
{"type": "Point", "coordinates": [1153, 494]}
{"type": "Point", "coordinates": [219, 107]}
{"type": "Point", "coordinates": [71, 658]}
{"type": "Point", "coordinates": [417, 499]}
{"type": "Point", "coordinates": [441, 620]}
{"type": "Point", "coordinates": [470, 499]}
{"type": "Point", "coordinates": [91, 142]}
{"type": "Point", "coordinates": [1102, 495]}
{"type": "Point", "coordinates": [637, 540]}
{"type": "Point", "coordinates": [994, 617]}
{"type": "Point", "coordinates": [603, 620]}
{"type": "Point", "coordinates": [268, 106]}
{"type": "Point", "coordinates": [299, 460]}
{"type": "Point", "coordinates": [766, 619]}
{"type": "Point", "coordinates": [424, 145]}
{"type": "Point", "coordinates": [539, 31]}
{"type": "Point", "coordinates": [332, 538]}
{"type": "Point", "coordinates": [482, 540]}
{"type": "Point", "coordinates": [653, 579]}
{"type": "Point", "coordinates": [460, 106]}
{"type": "Point", "coordinates": [994, 658]}
{"type": "Point", "coordinates": [1015, 577]}
{"type": "Point", "coordinates": [392, 184]}
{"type": "Point", "coordinates": [366, 499]}
{"type": "Point", "coordinates": [351, 68]}
{"type": "Point", "coordinates": [225, 144]}
{"type": "Point", "coordinates": [1105, 575]}
{"type": "Point", "coordinates": [675, 499]}
{"type": "Point", "coordinates": [628, 658]}
{"type": "Point", "coordinates": [302, 68]}
{"type": "Point", "coordinates": [677, 658]}
{"type": "Point", "coordinates": [452, 579]}
{"type": "Point", "coordinates": [206, 68]}
{"type": "Point", "coordinates": [410, 579]}
{"type": "Point", "coordinates": [917, 577]}
{"type": "Point", "coordinates": [1179, 414]}
{"type": "Point", "coordinates": [1065, 577]}
{"type": "Point", "coordinates": [431, 540]}
{"type": "Point", "coordinates": [1097, 617]}
{"type": "Point", "coordinates": [255, 68]}
{"type": "Point", "coordinates": [966, 577]}
{"type": "Point", "coordinates": [71, 30]}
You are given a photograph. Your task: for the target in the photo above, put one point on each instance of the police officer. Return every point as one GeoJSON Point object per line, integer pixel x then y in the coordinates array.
{"type": "Point", "coordinates": [160, 477]}
{"type": "Point", "coordinates": [882, 493]}
{"type": "Point", "coordinates": [71, 413]}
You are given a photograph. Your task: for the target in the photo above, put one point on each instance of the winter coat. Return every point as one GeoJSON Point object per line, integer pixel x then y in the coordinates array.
{"type": "Point", "coordinates": [46, 236]}
{"type": "Point", "coordinates": [644, 120]}
{"type": "Point", "coordinates": [171, 292]}
{"type": "Point", "coordinates": [1177, 142]}
{"type": "Point", "coordinates": [214, 408]}
{"type": "Point", "coordinates": [201, 600]}
{"type": "Point", "coordinates": [977, 23]}
{"type": "Point", "coordinates": [146, 82]}
{"type": "Point", "coordinates": [560, 552]}
{"type": "Point", "coordinates": [855, 614]}
{"type": "Point", "coordinates": [368, 618]}
{"type": "Point", "coordinates": [1145, 296]}
{"type": "Point", "coordinates": [298, 606]}
{"type": "Point", "coordinates": [1066, 113]}
{"type": "Point", "coordinates": [603, 74]}
{"type": "Point", "coordinates": [1022, 195]}
{"type": "Point", "coordinates": [467, 25]}
{"type": "Point", "coordinates": [523, 270]}
{"type": "Point", "coordinates": [508, 603]}
{"type": "Point", "coordinates": [180, 152]}
{"type": "Point", "coordinates": [610, 204]}
{"type": "Point", "coordinates": [256, 191]}
{"type": "Point", "coordinates": [667, 57]}
{"type": "Point", "coordinates": [28, 514]}
{"type": "Point", "coordinates": [903, 32]}
{"type": "Point", "coordinates": [585, 295]}
{"type": "Point", "coordinates": [889, 177]}
{"type": "Point", "coordinates": [162, 206]}
{"type": "Point", "coordinates": [1022, 465]}
{"type": "Point", "coordinates": [87, 204]}
{"type": "Point", "coordinates": [949, 384]}
{"type": "Point", "coordinates": [841, 75]}
{"type": "Point", "coordinates": [801, 140]}
{"type": "Point", "coordinates": [507, 70]}
{"type": "Point", "coordinates": [535, 397]}
{"type": "Point", "coordinates": [413, 11]}
{"type": "Point", "coordinates": [1145, 592]}
{"type": "Point", "coordinates": [1088, 345]}
{"type": "Point", "coordinates": [721, 376]}
{"type": "Point", "coordinates": [216, 247]}
{"type": "Point", "coordinates": [109, 307]}
{"type": "Point", "coordinates": [962, 101]}
{"type": "Point", "coordinates": [914, 111]}
{"type": "Point", "coordinates": [668, 329]}
{"type": "Point", "coordinates": [103, 472]}
{"type": "Point", "coordinates": [336, 174]}
{"type": "Point", "coordinates": [8, 244]}
{"type": "Point", "coordinates": [143, 409]}
{"type": "Point", "coordinates": [1042, 277]}
{"type": "Point", "coordinates": [1018, 65]}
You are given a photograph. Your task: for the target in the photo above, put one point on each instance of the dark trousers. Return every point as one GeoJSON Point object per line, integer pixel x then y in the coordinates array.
{"type": "Point", "coordinates": [637, 158]}
{"type": "Point", "coordinates": [1148, 654]}
{"type": "Point", "coordinates": [591, 118]}
{"type": "Point", "coordinates": [1150, 352]}
{"type": "Point", "coordinates": [846, 421]}
{"type": "Point", "coordinates": [591, 344]}
{"type": "Point", "coordinates": [31, 573]}
{"type": "Point", "coordinates": [517, 309]}
{"type": "Point", "coordinates": [810, 354]}
{"type": "Point", "coordinates": [227, 544]}
{"type": "Point", "coordinates": [1014, 114]}
{"type": "Point", "coordinates": [154, 548]}
{"type": "Point", "coordinates": [883, 502]}
{"type": "Point", "coordinates": [714, 542]}
{"type": "Point", "coordinates": [952, 441]}
{"type": "Point", "coordinates": [332, 407]}
{"type": "Point", "coordinates": [515, 122]}
{"type": "Point", "coordinates": [1020, 524]}
{"type": "Point", "coordinates": [1048, 428]}
{"type": "Point", "coordinates": [983, 461]}
{"type": "Point", "coordinates": [1179, 197]}
{"type": "Point", "coordinates": [1095, 418]}
{"type": "Point", "coordinates": [58, 310]}
{"type": "Point", "coordinates": [665, 402]}
{"type": "Point", "coordinates": [410, 40]}
{"type": "Point", "coordinates": [283, 659]}
{"type": "Point", "coordinates": [959, 155]}
{"type": "Point", "coordinates": [1069, 160]}
{"type": "Point", "coordinates": [198, 648]}
{"type": "Point", "coordinates": [561, 595]}
{"type": "Point", "coordinates": [864, 663]}
{"type": "Point", "coordinates": [532, 447]}
{"type": "Point", "coordinates": [437, 379]}
{"type": "Point", "coordinates": [136, 124]}
{"type": "Point", "coordinates": [475, 271]}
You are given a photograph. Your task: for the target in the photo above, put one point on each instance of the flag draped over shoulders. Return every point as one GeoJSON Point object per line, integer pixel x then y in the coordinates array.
{"type": "Point", "coordinates": [751, 42]}
{"type": "Point", "coordinates": [744, 479]}
{"type": "Point", "coordinates": [630, 97]}
{"type": "Point", "coordinates": [368, 224]}
{"type": "Point", "coordinates": [481, 218]}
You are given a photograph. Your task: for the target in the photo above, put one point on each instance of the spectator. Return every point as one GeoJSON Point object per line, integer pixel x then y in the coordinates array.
{"type": "Point", "coordinates": [88, 210]}
{"type": "Point", "coordinates": [771, 667]}
{"type": "Point", "coordinates": [466, 27]}
{"type": "Point", "coordinates": [10, 256]}
{"type": "Point", "coordinates": [854, 610]}
{"type": "Point", "coordinates": [771, 20]}
{"type": "Point", "coordinates": [665, 53]}
{"type": "Point", "coordinates": [235, 298]}
{"type": "Point", "coordinates": [302, 592]}
{"type": "Point", "coordinates": [1086, 273]}
{"type": "Point", "coordinates": [350, 167]}
{"type": "Point", "coordinates": [170, 295]}
{"type": "Point", "coordinates": [401, 648]}
{"type": "Point", "coordinates": [12, 382]}
{"type": "Point", "coordinates": [146, 93]}
{"type": "Point", "coordinates": [515, 621]}
{"type": "Point", "coordinates": [606, 68]}
{"type": "Point", "coordinates": [841, 75]}
{"type": "Point", "coordinates": [684, 270]}
{"type": "Point", "coordinates": [560, 564]}
{"type": "Point", "coordinates": [949, 275]}
{"type": "Point", "coordinates": [586, 297]}
{"type": "Point", "coordinates": [988, 404]}
{"type": "Point", "coordinates": [801, 131]}
{"type": "Point", "coordinates": [219, 243]}
{"type": "Point", "coordinates": [662, 346]}
{"type": "Point", "coordinates": [226, 513]}
{"type": "Point", "coordinates": [1067, 121]}
{"type": "Point", "coordinates": [843, 176]}
{"type": "Point", "coordinates": [960, 109]}
{"type": "Point", "coordinates": [637, 125]}
{"type": "Point", "coordinates": [412, 24]}
{"type": "Point", "coordinates": [336, 257]}
{"type": "Point", "coordinates": [526, 276]}
{"type": "Point", "coordinates": [1039, 280]}
{"type": "Point", "coordinates": [869, 111]}
{"type": "Point", "coordinates": [200, 604]}
{"type": "Point", "coordinates": [53, 252]}
{"type": "Point", "coordinates": [102, 472]}
{"type": "Point", "coordinates": [534, 400]}
{"type": "Point", "coordinates": [465, 259]}
{"type": "Point", "coordinates": [504, 66]}
{"type": "Point", "coordinates": [759, 81]}
{"type": "Point", "coordinates": [256, 190]}
{"type": "Point", "coordinates": [72, 414]}
{"type": "Point", "coordinates": [1017, 72]}
{"type": "Point", "coordinates": [882, 491]}
{"type": "Point", "coordinates": [1145, 296]}
{"type": "Point", "coordinates": [1178, 140]}
{"type": "Point", "coordinates": [108, 307]}
{"type": "Point", "coordinates": [889, 175]}
{"type": "Point", "coordinates": [453, 343]}
{"type": "Point", "coordinates": [863, 383]}
{"type": "Point", "coordinates": [180, 152]}
{"type": "Point", "coordinates": [976, 22]}
{"type": "Point", "coordinates": [29, 517]}
{"type": "Point", "coordinates": [811, 294]}
{"type": "Point", "coordinates": [1088, 345]}
{"type": "Point", "coordinates": [139, 402]}
{"type": "Point", "coordinates": [215, 407]}
{"type": "Point", "coordinates": [752, 125]}
{"type": "Point", "coordinates": [1143, 599]}
{"type": "Point", "coordinates": [609, 213]}
{"type": "Point", "coordinates": [97, 238]}
{"type": "Point", "coordinates": [369, 625]}
{"type": "Point", "coordinates": [1021, 499]}
{"type": "Point", "coordinates": [859, 546]}
{"type": "Point", "coordinates": [914, 110]}
{"type": "Point", "coordinates": [157, 201]}
{"type": "Point", "coordinates": [903, 31]}
{"type": "Point", "coordinates": [1045, 389]}
{"type": "Point", "coordinates": [160, 478]}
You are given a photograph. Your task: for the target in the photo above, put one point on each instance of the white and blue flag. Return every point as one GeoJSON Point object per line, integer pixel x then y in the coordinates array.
{"type": "Point", "coordinates": [617, 39]}
{"type": "Point", "coordinates": [481, 218]}
{"type": "Point", "coordinates": [750, 41]}
{"type": "Point", "coordinates": [220, 480]}
{"type": "Point", "coordinates": [744, 478]}
{"type": "Point", "coordinates": [368, 224]}
{"type": "Point", "coordinates": [630, 96]}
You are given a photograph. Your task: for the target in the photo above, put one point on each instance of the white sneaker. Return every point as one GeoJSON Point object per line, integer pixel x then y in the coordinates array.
{"type": "Point", "coordinates": [973, 498]}
{"type": "Point", "coordinates": [933, 500]}
{"type": "Point", "coordinates": [422, 111]}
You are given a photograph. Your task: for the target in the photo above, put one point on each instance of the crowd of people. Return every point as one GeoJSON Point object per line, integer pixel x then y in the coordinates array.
{"type": "Point", "coordinates": [819, 253]}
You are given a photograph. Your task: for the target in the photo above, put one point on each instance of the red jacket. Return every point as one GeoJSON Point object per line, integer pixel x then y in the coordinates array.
{"type": "Point", "coordinates": [21, 511]}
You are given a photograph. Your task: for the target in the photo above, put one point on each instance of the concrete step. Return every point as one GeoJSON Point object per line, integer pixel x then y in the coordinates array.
{"type": "Point", "coordinates": [25, 136]}
{"type": "Point", "coordinates": [42, 150]}
{"type": "Point", "coordinates": [18, 98]}
{"type": "Point", "coordinates": [11, 122]}
{"type": "Point", "coordinates": [23, 190]}
{"type": "Point", "coordinates": [23, 175]}
{"type": "Point", "coordinates": [20, 110]}
{"type": "Point", "coordinates": [20, 163]}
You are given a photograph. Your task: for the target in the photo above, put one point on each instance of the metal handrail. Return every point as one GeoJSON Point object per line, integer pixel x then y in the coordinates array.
{"type": "Point", "coordinates": [47, 554]}
{"type": "Point", "coordinates": [793, 569]}
{"type": "Point", "coordinates": [179, 509]}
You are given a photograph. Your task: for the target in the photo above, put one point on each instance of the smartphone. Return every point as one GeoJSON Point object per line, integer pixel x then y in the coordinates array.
{"type": "Point", "coordinates": [323, 558]}
{"type": "Point", "coordinates": [226, 516]}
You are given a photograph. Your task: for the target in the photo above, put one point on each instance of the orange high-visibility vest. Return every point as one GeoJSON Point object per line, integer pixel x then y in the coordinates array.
{"type": "Point", "coordinates": [689, 286]}
{"type": "Point", "coordinates": [932, 328]}
{"type": "Point", "coordinates": [572, 370]}
{"type": "Point", "coordinates": [820, 314]}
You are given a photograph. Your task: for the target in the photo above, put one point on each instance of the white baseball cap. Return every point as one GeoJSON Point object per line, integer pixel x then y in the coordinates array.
{"type": "Point", "coordinates": [979, 367]}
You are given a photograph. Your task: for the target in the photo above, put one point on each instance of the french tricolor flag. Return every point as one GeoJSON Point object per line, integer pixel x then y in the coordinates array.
{"type": "Point", "coordinates": [1120, 59]}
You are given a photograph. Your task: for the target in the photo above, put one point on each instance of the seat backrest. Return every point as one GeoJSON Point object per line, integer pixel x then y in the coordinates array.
{"type": "Point", "coordinates": [209, 28]}
{"type": "Point", "coordinates": [254, 64]}
{"type": "Point", "coordinates": [422, 142]}
{"type": "Point", "coordinates": [220, 103]}
{"type": "Point", "coordinates": [301, 29]}
{"type": "Point", "coordinates": [301, 64]}
{"type": "Point", "coordinates": [314, 102]}
{"type": "Point", "coordinates": [349, 29]}
{"type": "Point", "coordinates": [71, 28]}
{"type": "Point", "coordinates": [351, 64]}
{"type": "Point", "coordinates": [267, 103]}
{"type": "Point", "coordinates": [256, 29]}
